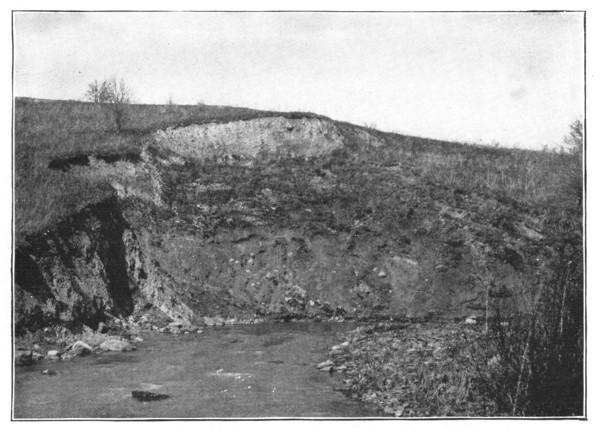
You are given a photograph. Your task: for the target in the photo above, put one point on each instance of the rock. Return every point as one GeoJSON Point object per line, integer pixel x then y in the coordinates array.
{"type": "Point", "coordinates": [494, 361]}
{"type": "Point", "coordinates": [175, 324]}
{"type": "Point", "coordinates": [326, 307]}
{"type": "Point", "coordinates": [146, 396]}
{"type": "Point", "coordinates": [340, 310]}
{"type": "Point", "coordinates": [299, 292]}
{"type": "Point", "coordinates": [326, 366]}
{"type": "Point", "coordinates": [53, 355]}
{"type": "Point", "coordinates": [382, 274]}
{"type": "Point", "coordinates": [36, 347]}
{"type": "Point", "coordinates": [103, 328]}
{"type": "Point", "coordinates": [389, 411]}
{"type": "Point", "coordinates": [208, 321]}
{"type": "Point", "coordinates": [471, 320]}
{"type": "Point", "coordinates": [24, 358]}
{"type": "Point", "coordinates": [27, 357]}
{"type": "Point", "coordinates": [48, 372]}
{"type": "Point", "coordinates": [116, 345]}
{"type": "Point", "coordinates": [37, 356]}
{"type": "Point", "coordinates": [441, 268]}
{"type": "Point", "coordinates": [79, 348]}
{"type": "Point", "coordinates": [189, 329]}
{"type": "Point", "coordinates": [137, 339]}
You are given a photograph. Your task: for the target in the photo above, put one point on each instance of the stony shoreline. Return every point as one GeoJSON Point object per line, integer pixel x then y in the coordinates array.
{"type": "Point", "coordinates": [411, 370]}
{"type": "Point", "coordinates": [57, 343]}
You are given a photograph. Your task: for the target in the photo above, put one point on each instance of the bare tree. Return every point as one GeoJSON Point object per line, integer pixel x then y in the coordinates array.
{"type": "Point", "coordinates": [114, 93]}
{"type": "Point", "coordinates": [97, 92]}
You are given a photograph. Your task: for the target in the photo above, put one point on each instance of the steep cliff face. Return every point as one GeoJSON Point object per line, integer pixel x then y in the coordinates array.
{"type": "Point", "coordinates": [86, 269]}
{"type": "Point", "coordinates": [79, 270]}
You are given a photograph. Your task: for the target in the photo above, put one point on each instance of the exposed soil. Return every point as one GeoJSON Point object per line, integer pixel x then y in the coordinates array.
{"type": "Point", "coordinates": [245, 235]}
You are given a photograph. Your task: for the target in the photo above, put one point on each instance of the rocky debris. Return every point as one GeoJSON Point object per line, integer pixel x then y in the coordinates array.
{"type": "Point", "coordinates": [341, 311]}
{"type": "Point", "coordinates": [27, 357]}
{"type": "Point", "coordinates": [177, 327]}
{"type": "Point", "coordinates": [327, 366]}
{"type": "Point", "coordinates": [213, 321]}
{"type": "Point", "coordinates": [417, 370]}
{"type": "Point", "coordinates": [116, 345]}
{"type": "Point", "coordinates": [441, 268]}
{"type": "Point", "coordinates": [79, 348]}
{"type": "Point", "coordinates": [146, 396]}
{"type": "Point", "coordinates": [53, 355]}
{"type": "Point", "coordinates": [339, 348]}
{"type": "Point", "coordinates": [103, 328]}
{"type": "Point", "coordinates": [326, 307]}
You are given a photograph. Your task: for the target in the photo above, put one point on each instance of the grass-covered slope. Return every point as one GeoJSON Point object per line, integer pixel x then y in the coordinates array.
{"type": "Point", "coordinates": [47, 131]}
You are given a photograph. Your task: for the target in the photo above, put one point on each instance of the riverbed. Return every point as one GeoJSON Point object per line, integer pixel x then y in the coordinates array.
{"type": "Point", "coordinates": [245, 371]}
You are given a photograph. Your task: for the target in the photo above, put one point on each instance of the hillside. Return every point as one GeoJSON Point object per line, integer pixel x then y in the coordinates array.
{"type": "Point", "coordinates": [201, 214]}
{"type": "Point", "coordinates": [236, 213]}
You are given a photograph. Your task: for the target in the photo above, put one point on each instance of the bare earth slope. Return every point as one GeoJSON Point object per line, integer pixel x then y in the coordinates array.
{"type": "Point", "coordinates": [283, 218]}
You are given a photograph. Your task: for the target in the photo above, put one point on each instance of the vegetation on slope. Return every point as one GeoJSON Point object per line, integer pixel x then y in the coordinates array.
{"type": "Point", "coordinates": [52, 130]}
{"type": "Point", "coordinates": [532, 366]}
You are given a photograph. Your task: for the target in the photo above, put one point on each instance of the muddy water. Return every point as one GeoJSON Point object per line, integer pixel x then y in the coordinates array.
{"type": "Point", "coordinates": [242, 371]}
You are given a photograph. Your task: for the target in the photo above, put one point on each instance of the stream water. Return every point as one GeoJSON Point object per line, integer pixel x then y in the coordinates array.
{"type": "Point", "coordinates": [256, 371]}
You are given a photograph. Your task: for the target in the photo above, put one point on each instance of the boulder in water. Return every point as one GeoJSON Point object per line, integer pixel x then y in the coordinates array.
{"type": "Point", "coordinates": [53, 355]}
{"type": "Point", "coordinates": [146, 396]}
{"type": "Point", "coordinates": [116, 345]}
{"type": "Point", "coordinates": [80, 348]}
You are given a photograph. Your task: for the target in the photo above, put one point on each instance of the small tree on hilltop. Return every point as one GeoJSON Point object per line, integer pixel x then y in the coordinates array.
{"type": "Point", "coordinates": [114, 93]}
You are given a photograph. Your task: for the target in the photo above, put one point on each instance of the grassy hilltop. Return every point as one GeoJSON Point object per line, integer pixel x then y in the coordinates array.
{"type": "Point", "coordinates": [47, 131]}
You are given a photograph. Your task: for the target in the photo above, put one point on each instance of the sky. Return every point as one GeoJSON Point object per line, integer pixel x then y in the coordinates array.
{"type": "Point", "coordinates": [514, 79]}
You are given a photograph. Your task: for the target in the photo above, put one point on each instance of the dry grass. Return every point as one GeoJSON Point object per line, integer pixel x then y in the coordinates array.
{"type": "Point", "coordinates": [50, 130]}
